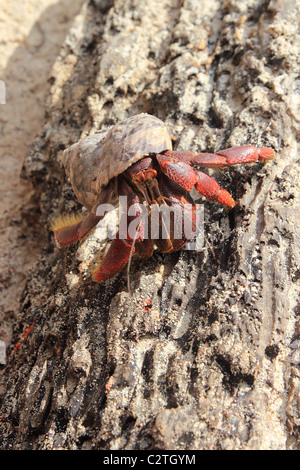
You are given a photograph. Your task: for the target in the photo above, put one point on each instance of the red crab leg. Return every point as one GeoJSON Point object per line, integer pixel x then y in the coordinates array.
{"type": "Point", "coordinates": [230, 156]}
{"type": "Point", "coordinates": [121, 249]}
{"type": "Point", "coordinates": [114, 261]}
{"type": "Point", "coordinates": [184, 209]}
{"type": "Point", "coordinates": [134, 210]}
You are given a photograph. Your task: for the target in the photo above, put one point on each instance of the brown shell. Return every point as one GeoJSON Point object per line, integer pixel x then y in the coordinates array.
{"type": "Point", "coordinates": [95, 160]}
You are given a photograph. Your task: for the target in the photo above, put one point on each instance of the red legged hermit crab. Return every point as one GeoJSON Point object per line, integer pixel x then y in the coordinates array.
{"type": "Point", "coordinates": [135, 159]}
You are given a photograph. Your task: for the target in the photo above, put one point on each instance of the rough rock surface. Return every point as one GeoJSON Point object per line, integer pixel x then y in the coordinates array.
{"type": "Point", "coordinates": [205, 352]}
{"type": "Point", "coordinates": [31, 35]}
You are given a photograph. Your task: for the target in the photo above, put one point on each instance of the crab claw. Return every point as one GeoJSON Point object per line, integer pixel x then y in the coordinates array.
{"type": "Point", "coordinates": [209, 188]}
{"type": "Point", "coordinates": [178, 171]}
{"type": "Point", "coordinates": [71, 228]}
{"type": "Point", "coordinates": [265, 153]}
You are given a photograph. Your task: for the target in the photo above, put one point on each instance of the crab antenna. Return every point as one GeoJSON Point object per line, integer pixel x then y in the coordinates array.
{"type": "Point", "coordinates": [130, 257]}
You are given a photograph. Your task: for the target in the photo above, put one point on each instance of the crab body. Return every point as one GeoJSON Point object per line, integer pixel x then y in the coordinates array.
{"type": "Point", "coordinates": [135, 159]}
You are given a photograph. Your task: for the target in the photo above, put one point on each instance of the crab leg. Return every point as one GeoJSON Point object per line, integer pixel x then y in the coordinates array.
{"type": "Point", "coordinates": [123, 246]}
{"type": "Point", "coordinates": [230, 156]}
{"type": "Point", "coordinates": [114, 261]}
{"type": "Point", "coordinates": [181, 214]}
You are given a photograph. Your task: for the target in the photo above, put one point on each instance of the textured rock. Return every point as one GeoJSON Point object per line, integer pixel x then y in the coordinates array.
{"type": "Point", "coordinates": [31, 35]}
{"type": "Point", "coordinates": [203, 352]}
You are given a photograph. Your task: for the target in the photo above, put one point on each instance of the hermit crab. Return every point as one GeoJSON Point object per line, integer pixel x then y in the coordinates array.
{"type": "Point", "coordinates": [134, 160]}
